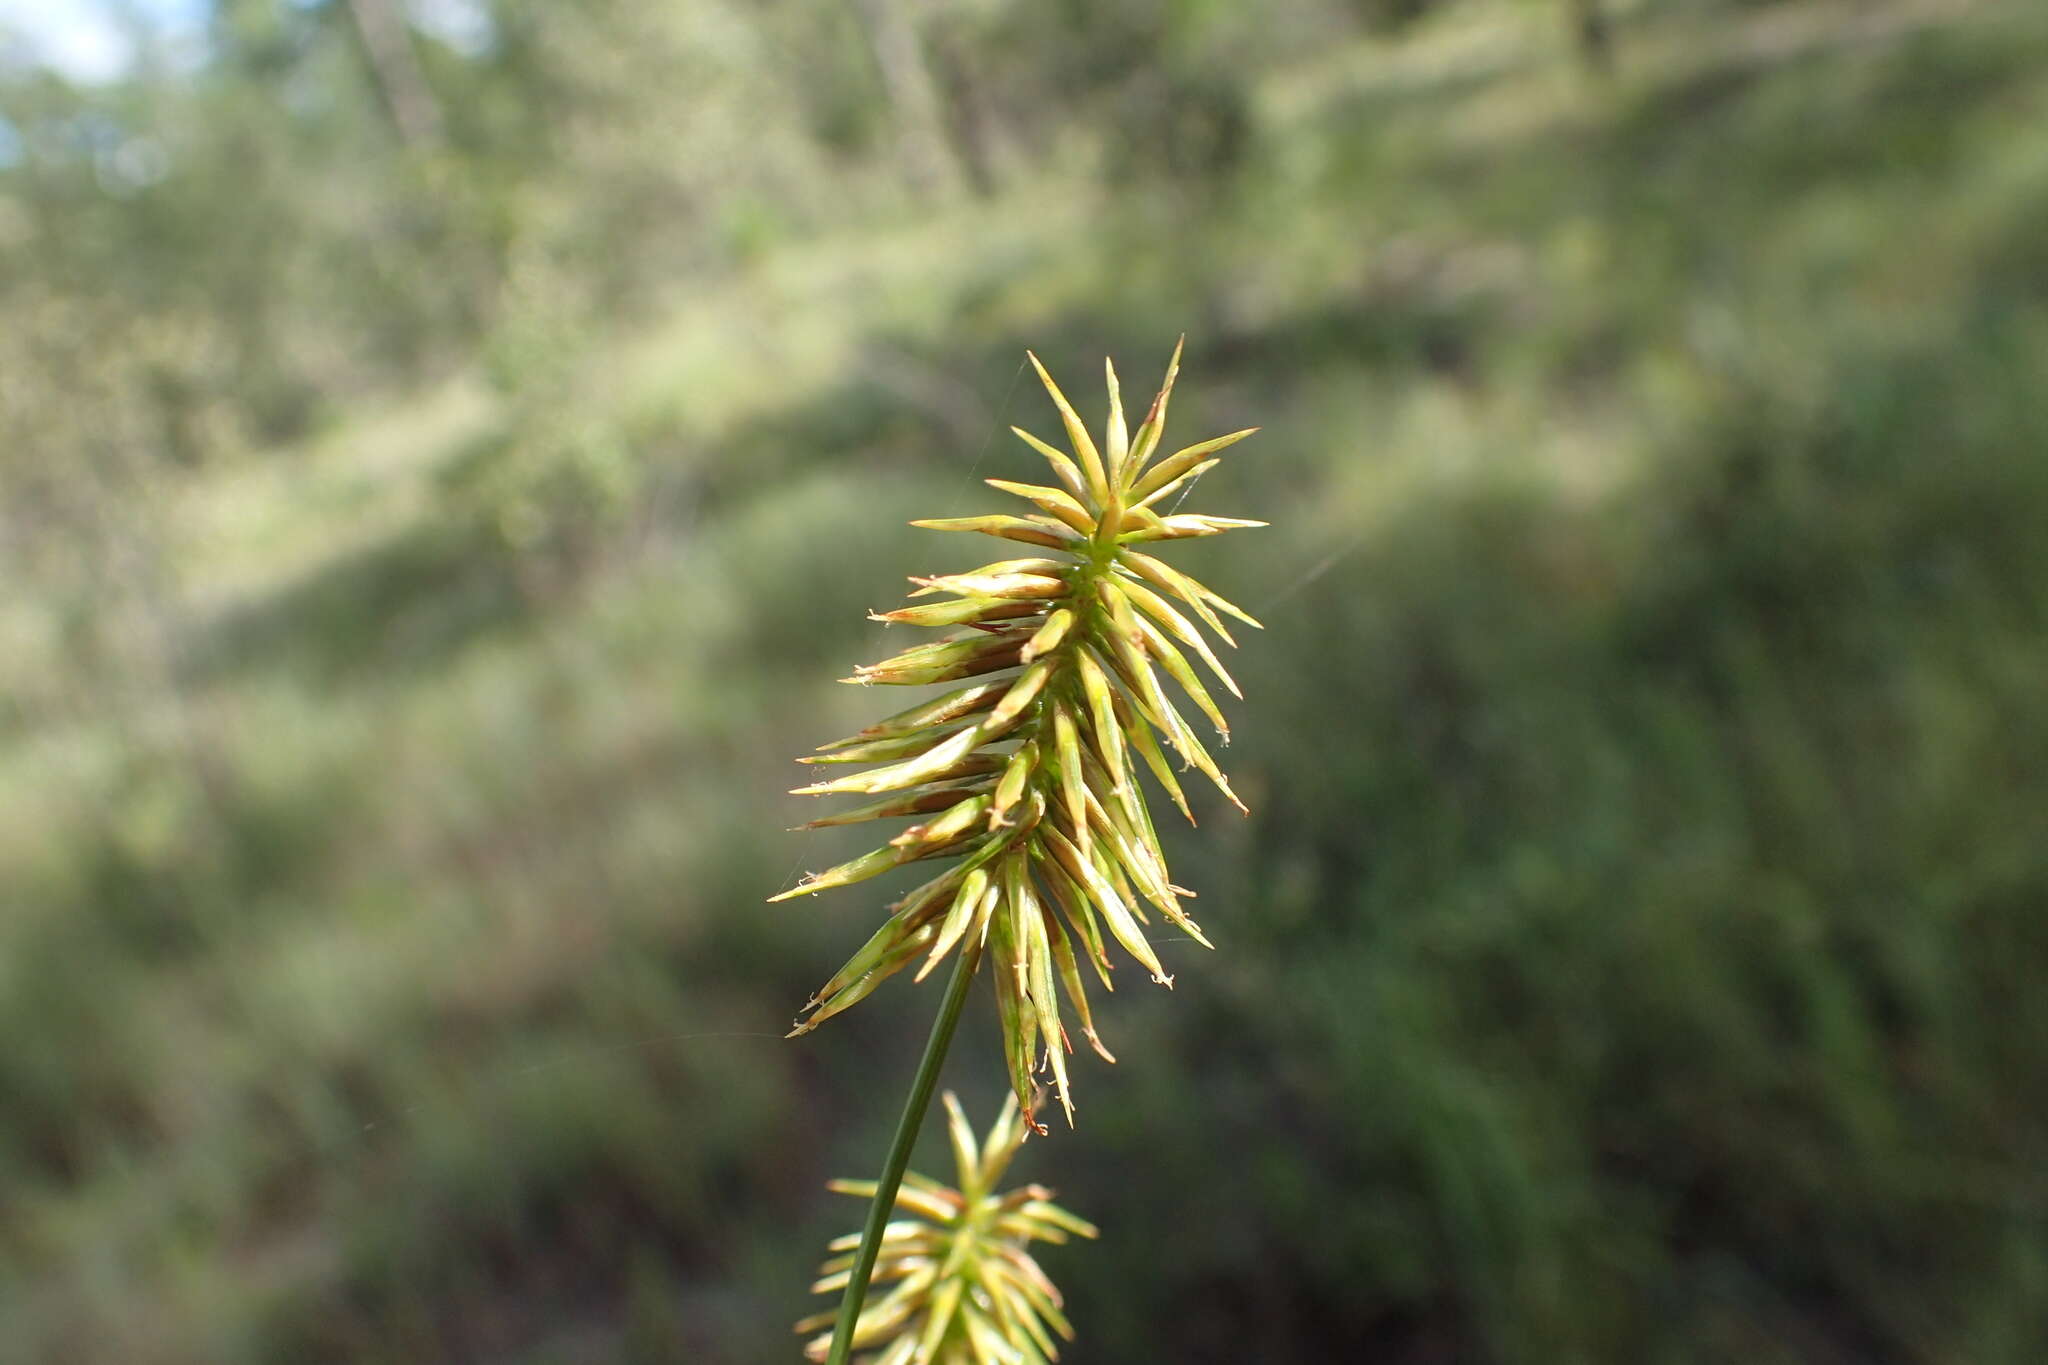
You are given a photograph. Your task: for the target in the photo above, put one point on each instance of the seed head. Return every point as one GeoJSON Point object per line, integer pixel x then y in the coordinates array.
{"type": "Point", "coordinates": [967, 1290]}
{"type": "Point", "coordinates": [1023, 774]}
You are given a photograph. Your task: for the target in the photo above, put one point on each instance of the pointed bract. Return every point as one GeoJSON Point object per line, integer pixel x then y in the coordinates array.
{"type": "Point", "coordinates": [1077, 432]}
{"type": "Point", "coordinates": [1147, 438]}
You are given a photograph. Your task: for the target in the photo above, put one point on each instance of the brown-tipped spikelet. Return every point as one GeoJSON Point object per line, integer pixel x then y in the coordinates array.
{"type": "Point", "coordinates": [966, 1289]}
{"type": "Point", "coordinates": [1024, 774]}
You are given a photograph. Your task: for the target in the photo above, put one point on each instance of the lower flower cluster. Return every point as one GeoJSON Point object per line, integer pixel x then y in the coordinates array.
{"type": "Point", "coordinates": [964, 1288]}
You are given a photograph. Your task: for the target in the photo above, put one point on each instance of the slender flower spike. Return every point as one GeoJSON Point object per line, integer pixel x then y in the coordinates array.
{"type": "Point", "coordinates": [1023, 775]}
{"type": "Point", "coordinates": [966, 1288]}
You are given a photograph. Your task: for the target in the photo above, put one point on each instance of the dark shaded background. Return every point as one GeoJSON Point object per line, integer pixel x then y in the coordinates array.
{"type": "Point", "coordinates": [446, 451]}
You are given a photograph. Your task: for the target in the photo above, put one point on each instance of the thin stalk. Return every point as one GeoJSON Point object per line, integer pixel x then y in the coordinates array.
{"type": "Point", "coordinates": [921, 1087]}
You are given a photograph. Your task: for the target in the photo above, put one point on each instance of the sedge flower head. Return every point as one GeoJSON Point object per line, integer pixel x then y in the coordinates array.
{"type": "Point", "coordinates": [1024, 776]}
{"type": "Point", "coordinates": [964, 1287]}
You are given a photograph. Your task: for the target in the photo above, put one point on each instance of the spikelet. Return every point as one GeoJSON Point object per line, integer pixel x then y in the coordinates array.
{"type": "Point", "coordinates": [1023, 776]}
{"type": "Point", "coordinates": [966, 1291]}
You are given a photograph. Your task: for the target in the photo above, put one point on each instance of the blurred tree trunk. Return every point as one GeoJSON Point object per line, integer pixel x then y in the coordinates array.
{"type": "Point", "coordinates": [395, 70]}
{"type": "Point", "coordinates": [977, 134]}
{"type": "Point", "coordinates": [1595, 36]}
{"type": "Point", "coordinates": [912, 92]}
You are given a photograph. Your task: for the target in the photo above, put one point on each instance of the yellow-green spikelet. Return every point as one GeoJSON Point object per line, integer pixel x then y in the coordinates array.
{"type": "Point", "coordinates": [964, 1289]}
{"type": "Point", "coordinates": [1025, 777]}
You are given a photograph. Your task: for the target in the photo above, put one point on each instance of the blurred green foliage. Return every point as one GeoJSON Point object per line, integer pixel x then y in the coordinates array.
{"type": "Point", "coordinates": [437, 483]}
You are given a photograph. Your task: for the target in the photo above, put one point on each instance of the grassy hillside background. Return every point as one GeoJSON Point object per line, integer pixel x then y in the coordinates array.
{"type": "Point", "coordinates": [427, 542]}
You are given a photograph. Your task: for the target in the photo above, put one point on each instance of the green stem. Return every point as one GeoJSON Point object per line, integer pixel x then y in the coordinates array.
{"type": "Point", "coordinates": [921, 1087]}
